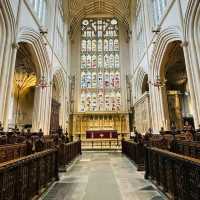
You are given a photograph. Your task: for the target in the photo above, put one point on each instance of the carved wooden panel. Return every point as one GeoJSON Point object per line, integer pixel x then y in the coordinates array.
{"type": "Point", "coordinates": [55, 108]}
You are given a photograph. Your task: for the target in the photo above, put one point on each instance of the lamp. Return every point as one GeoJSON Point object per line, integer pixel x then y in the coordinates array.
{"type": "Point", "coordinates": [158, 83]}
{"type": "Point", "coordinates": [156, 29]}
{"type": "Point", "coordinates": [43, 83]}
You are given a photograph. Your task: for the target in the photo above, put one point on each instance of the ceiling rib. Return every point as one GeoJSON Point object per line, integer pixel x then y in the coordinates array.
{"type": "Point", "coordinates": [79, 9]}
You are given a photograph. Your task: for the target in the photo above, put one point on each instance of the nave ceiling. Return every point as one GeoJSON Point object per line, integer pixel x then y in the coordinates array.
{"type": "Point", "coordinates": [79, 9]}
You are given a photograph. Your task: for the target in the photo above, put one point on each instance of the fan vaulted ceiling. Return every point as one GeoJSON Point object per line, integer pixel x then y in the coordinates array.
{"type": "Point", "coordinates": [79, 9]}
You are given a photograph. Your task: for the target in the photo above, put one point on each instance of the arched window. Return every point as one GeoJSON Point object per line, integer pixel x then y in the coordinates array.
{"type": "Point", "coordinates": [100, 81]}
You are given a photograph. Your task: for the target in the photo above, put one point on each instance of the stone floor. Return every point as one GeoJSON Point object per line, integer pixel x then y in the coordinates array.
{"type": "Point", "coordinates": [103, 176]}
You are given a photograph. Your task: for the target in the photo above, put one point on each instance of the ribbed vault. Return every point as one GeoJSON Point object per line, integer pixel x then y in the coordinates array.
{"type": "Point", "coordinates": [79, 9]}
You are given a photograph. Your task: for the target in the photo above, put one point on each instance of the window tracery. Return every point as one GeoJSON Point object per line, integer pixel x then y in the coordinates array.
{"type": "Point", "coordinates": [100, 63]}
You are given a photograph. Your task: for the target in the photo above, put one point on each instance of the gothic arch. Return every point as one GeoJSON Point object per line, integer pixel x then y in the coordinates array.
{"type": "Point", "coordinates": [36, 42]}
{"type": "Point", "coordinates": [167, 36]}
{"type": "Point", "coordinates": [138, 82]}
{"type": "Point", "coordinates": [42, 102]}
{"type": "Point", "coordinates": [61, 85]}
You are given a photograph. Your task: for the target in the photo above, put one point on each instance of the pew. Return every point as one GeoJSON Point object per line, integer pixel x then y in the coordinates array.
{"type": "Point", "coordinates": [197, 135]}
{"type": "Point", "coordinates": [13, 151]}
{"type": "Point", "coordinates": [67, 152]}
{"type": "Point", "coordinates": [176, 175]}
{"type": "Point", "coordinates": [25, 178]}
{"type": "Point", "coordinates": [191, 149]}
{"type": "Point", "coordinates": [135, 151]}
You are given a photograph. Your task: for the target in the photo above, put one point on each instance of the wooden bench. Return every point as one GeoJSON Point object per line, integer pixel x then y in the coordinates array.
{"type": "Point", "coordinates": [11, 152]}
{"type": "Point", "coordinates": [188, 148]}
{"type": "Point", "coordinates": [25, 178]}
{"type": "Point", "coordinates": [176, 175]}
{"type": "Point", "coordinates": [67, 152]}
{"type": "Point", "coordinates": [135, 152]}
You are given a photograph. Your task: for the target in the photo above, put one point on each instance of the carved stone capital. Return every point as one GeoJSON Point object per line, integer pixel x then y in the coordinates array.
{"type": "Point", "coordinates": [184, 44]}
{"type": "Point", "coordinates": [15, 45]}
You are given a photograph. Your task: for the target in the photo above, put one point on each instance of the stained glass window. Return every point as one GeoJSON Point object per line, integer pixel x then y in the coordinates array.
{"type": "Point", "coordinates": [94, 80]}
{"type": "Point", "coordinates": [89, 61]}
{"type": "Point", "coordinates": [117, 60]}
{"type": "Point", "coordinates": [112, 59]}
{"type": "Point", "coordinates": [100, 63]}
{"type": "Point", "coordinates": [105, 45]}
{"type": "Point", "coordinates": [83, 61]}
{"type": "Point", "coordinates": [100, 79]}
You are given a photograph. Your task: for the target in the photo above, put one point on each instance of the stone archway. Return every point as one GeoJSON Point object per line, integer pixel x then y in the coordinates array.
{"type": "Point", "coordinates": [160, 115]}
{"type": "Point", "coordinates": [158, 111]}
{"type": "Point", "coordinates": [138, 82]}
{"type": "Point", "coordinates": [42, 97]}
{"type": "Point", "coordinates": [60, 95]}
{"type": "Point", "coordinates": [175, 88]}
{"type": "Point", "coordinates": [141, 104]}
{"type": "Point", "coordinates": [24, 85]}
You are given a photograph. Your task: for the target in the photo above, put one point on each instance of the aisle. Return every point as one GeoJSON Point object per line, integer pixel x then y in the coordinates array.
{"type": "Point", "coordinates": [103, 176]}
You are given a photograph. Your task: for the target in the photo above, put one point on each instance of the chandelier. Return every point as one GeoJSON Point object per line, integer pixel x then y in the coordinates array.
{"type": "Point", "coordinates": [23, 81]}
{"type": "Point", "coordinates": [43, 83]}
{"type": "Point", "coordinates": [158, 82]}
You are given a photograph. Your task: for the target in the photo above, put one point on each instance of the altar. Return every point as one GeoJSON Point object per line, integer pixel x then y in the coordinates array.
{"type": "Point", "coordinates": [101, 134]}
{"type": "Point", "coordinates": [109, 125]}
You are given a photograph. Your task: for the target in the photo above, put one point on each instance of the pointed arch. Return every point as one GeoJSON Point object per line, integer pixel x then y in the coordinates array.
{"type": "Point", "coordinates": [42, 101]}
{"type": "Point", "coordinates": [61, 83]}
{"type": "Point", "coordinates": [167, 36]}
{"type": "Point", "coordinates": [138, 82]}
{"type": "Point", "coordinates": [36, 42]}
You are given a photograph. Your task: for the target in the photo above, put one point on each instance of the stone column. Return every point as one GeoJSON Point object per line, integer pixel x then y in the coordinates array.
{"type": "Point", "coordinates": [42, 109]}
{"type": "Point", "coordinates": [7, 86]}
{"type": "Point", "coordinates": [192, 63]}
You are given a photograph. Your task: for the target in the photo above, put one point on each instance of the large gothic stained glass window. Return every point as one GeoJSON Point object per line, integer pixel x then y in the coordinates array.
{"type": "Point", "coordinates": [100, 65]}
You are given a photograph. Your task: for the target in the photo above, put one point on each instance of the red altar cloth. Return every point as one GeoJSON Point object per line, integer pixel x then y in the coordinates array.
{"type": "Point", "coordinates": [101, 134]}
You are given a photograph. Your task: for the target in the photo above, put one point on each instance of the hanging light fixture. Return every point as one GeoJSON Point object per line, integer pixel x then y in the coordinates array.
{"type": "Point", "coordinates": [43, 83]}
{"type": "Point", "coordinates": [158, 82]}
